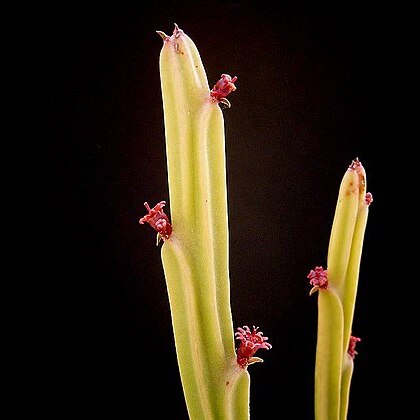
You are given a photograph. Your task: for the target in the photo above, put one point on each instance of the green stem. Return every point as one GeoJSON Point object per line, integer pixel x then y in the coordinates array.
{"type": "Point", "coordinates": [195, 258]}
{"type": "Point", "coordinates": [328, 356]}
{"type": "Point", "coordinates": [353, 268]}
{"type": "Point", "coordinates": [334, 366]}
{"type": "Point", "coordinates": [349, 297]}
{"type": "Point", "coordinates": [346, 376]}
{"type": "Point", "coordinates": [342, 230]}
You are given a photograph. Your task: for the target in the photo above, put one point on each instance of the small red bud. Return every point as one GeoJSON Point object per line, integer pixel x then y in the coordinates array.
{"type": "Point", "coordinates": [355, 164]}
{"type": "Point", "coordinates": [352, 346]}
{"type": "Point", "coordinates": [368, 198]}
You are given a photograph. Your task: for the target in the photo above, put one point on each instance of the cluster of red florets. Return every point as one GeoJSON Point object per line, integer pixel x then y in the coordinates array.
{"type": "Point", "coordinates": [251, 341]}
{"type": "Point", "coordinates": [318, 277]}
{"type": "Point", "coordinates": [223, 88]}
{"type": "Point", "coordinates": [158, 220]}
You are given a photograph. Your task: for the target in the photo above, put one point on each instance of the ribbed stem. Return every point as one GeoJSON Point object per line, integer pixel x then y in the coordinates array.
{"type": "Point", "coordinates": [195, 258]}
{"type": "Point", "coordinates": [353, 268]}
{"type": "Point", "coordinates": [334, 366]}
{"type": "Point", "coordinates": [342, 230]}
{"type": "Point", "coordinates": [329, 356]}
{"type": "Point", "coordinates": [346, 376]}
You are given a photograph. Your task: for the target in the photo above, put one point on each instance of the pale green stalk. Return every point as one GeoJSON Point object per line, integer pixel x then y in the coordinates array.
{"type": "Point", "coordinates": [334, 366]}
{"type": "Point", "coordinates": [195, 257]}
{"type": "Point", "coordinates": [329, 356]}
{"type": "Point", "coordinates": [346, 375]}
{"type": "Point", "coordinates": [349, 298]}
{"type": "Point", "coordinates": [353, 267]}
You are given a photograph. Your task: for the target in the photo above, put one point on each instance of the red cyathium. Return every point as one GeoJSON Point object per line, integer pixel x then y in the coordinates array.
{"type": "Point", "coordinates": [368, 198]}
{"type": "Point", "coordinates": [223, 88]}
{"type": "Point", "coordinates": [251, 341]}
{"type": "Point", "coordinates": [352, 346]}
{"type": "Point", "coordinates": [355, 164]}
{"type": "Point", "coordinates": [158, 220]}
{"type": "Point", "coordinates": [318, 278]}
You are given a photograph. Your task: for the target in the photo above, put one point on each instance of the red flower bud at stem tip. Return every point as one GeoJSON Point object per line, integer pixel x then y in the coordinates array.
{"type": "Point", "coordinates": [368, 198]}
{"type": "Point", "coordinates": [158, 220]}
{"type": "Point", "coordinates": [251, 341]}
{"type": "Point", "coordinates": [354, 164]}
{"type": "Point", "coordinates": [223, 88]}
{"type": "Point", "coordinates": [318, 278]}
{"type": "Point", "coordinates": [352, 346]}
{"type": "Point", "coordinates": [177, 32]}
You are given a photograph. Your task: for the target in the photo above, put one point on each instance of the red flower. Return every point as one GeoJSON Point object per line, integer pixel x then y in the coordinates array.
{"type": "Point", "coordinates": [318, 279]}
{"type": "Point", "coordinates": [158, 220]}
{"type": "Point", "coordinates": [368, 198]}
{"type": "Point", "coordinates": [223, 88]}
{"type": "Point", "coordinates": [251, 341]}
{"type": "Point", "coordinates": [352, 346]}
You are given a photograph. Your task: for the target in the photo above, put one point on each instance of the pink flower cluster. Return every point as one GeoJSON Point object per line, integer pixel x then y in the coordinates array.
{"type": "Point", "coordinates": [158, 219]}
{"type": "Point", "coordinates": [251, 341]}
{"type": "Point", "coordinates": [223, 87]}
{"type": "Point", "coordinates": [318, 277]}
{"type": "Point", "coordinates": [352, 346]}
{"type": "Point", "coordinates": [369, 198]}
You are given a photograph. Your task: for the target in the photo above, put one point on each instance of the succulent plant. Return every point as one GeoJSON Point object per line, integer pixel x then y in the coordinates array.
{"type": "Point", "coordinates": [214, 375]}
{"type": "Point", "coordinates": [195, 249]}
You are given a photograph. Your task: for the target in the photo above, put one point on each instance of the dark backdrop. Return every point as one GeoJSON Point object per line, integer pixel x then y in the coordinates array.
{"type": "Point", "coordinates": [304, 108]}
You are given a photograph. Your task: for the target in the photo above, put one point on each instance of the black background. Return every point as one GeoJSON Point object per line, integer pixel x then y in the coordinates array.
{"type": "Point", "coordinates": [305, 106]}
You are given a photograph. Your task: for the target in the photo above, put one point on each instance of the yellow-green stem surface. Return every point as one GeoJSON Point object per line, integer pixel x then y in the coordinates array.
{"type": "Point", "coordinates": [195, 258]}
{"type": "Point", "coordinates": [334, 366]}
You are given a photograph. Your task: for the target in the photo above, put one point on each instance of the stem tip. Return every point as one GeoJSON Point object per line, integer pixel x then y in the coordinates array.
{"type": "Point", "coordinates": [162, 35]}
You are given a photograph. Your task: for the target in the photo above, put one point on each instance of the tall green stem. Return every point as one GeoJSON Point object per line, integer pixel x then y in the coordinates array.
{"type": "Point", "coordinates": [195, 257]}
